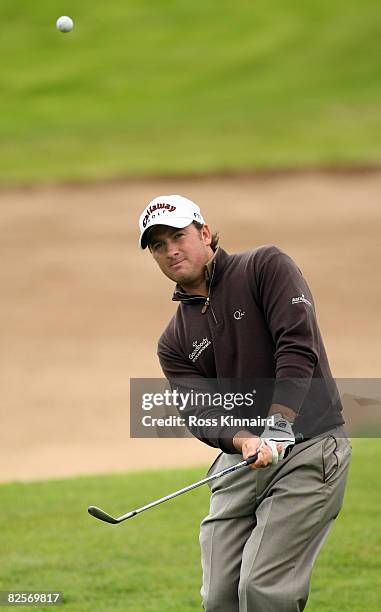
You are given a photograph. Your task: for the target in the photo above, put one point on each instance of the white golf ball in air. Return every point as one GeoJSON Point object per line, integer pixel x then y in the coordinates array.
{"type": "Point", "coordinates": [64, 24]}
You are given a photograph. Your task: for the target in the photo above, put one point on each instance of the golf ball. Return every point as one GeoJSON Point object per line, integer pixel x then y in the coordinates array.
{"type": "Point", "coordinates": [64, 24]}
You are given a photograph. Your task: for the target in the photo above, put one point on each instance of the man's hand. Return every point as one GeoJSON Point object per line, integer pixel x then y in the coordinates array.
{"type": "Point", "coordinates": [248, 444]}
{"type": "Point", "coordinates": [279, 434]}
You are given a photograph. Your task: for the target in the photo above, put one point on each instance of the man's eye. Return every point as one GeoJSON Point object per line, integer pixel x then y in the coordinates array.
{"type": "Point", "coordinates": [178, 234]}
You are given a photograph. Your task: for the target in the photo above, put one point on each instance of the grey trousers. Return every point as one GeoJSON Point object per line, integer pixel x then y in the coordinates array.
{"type": "Point", "coordinates": [265, 527]}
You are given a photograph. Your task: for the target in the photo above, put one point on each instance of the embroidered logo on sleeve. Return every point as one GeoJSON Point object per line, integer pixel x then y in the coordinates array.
{"type": "Point", "coordinates": [198, 348]}
{"type": "Point", "coordinates": [301, 299]}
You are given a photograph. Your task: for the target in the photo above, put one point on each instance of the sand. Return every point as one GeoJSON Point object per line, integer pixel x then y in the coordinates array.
{"type": "Point", "coordinates": [82, 307]}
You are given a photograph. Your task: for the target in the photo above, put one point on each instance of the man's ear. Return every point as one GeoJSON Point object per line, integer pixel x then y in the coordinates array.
{"type": "Point", "coordinates": [206, 234]}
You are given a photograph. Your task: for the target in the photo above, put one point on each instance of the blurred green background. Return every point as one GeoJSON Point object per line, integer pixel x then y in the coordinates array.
{"type": "Point", "coordinates": [149, 87]}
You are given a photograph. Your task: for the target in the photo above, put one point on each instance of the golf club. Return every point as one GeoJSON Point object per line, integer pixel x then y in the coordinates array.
{"type": "Point", "coordinates": [104, 516]}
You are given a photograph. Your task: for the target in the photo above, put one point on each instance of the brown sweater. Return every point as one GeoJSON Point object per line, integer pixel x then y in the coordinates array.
{"type": "Point", "coordinates": [258, 331]}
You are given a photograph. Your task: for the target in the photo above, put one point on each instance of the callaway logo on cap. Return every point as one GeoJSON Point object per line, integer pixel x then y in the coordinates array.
{"type": "Point", "coordinates": [172, 210]}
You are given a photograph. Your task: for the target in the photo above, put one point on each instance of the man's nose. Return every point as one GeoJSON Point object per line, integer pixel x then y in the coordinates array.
{"type": "Point", "coordinates": [172, 249]}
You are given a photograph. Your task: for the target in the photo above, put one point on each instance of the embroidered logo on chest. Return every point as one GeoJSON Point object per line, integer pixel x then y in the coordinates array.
{"type": "Point", "coordinates": [198, 347]}
{"type": "Point", "coordinates": [238, 314]}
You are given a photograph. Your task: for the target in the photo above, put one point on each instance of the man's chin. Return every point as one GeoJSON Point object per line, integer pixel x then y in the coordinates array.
{"type": "Point", "coordinates": [182, 279]}
{"type": "Point", "coordinates": [180, 275]}
{"type": "Point", "coordinates": [185, 280]}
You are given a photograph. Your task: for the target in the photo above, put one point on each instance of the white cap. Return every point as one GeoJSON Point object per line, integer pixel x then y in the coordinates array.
{"type": "Point", "coordinates": [172, 210]}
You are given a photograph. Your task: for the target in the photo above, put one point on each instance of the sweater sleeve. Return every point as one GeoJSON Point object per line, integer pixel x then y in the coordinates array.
{"type": "Point", "coordinates": [183, 376]}
{"type": "Point", "coordinates": [289, 312]}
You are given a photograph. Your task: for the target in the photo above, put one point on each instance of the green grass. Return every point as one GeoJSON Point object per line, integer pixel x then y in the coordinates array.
{"type": "Point", "coordinates": [151, 563]}
{"type": "Point", "coordinates": [175, 87]}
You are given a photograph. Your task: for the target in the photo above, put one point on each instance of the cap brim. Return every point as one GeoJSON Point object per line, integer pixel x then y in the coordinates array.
{"type": "Point", "coordinates": [169, 222]}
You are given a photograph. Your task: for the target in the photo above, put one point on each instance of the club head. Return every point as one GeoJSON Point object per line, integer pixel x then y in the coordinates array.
{"type": "Point", "coordinates": [101, 515]}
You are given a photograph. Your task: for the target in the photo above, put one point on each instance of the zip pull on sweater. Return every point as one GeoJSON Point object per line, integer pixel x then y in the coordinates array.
{"type": "Point", "coordinates": [206, 305]}
{"type": "Point", "coordinates": [207, 301]}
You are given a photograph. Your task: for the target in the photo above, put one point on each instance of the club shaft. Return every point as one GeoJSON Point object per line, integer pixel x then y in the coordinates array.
{"type": "Point", "coordinates": [190, 487]}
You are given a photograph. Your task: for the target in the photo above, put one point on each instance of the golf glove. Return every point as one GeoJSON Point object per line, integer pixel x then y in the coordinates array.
{"type": "Point", "coordinates": [279, 433]}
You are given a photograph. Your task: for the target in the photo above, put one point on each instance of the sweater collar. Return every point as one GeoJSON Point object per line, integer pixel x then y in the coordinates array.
{"type": "Point", "coordinates": [213, 271]}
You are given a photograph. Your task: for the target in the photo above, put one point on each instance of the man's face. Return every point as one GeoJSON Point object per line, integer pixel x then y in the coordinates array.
{"type": "Point", "coordinates": [181, 254]}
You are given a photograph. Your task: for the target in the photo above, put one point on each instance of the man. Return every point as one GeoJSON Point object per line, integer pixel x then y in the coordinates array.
{"type": "Point", "coordinates": [251, 316]}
